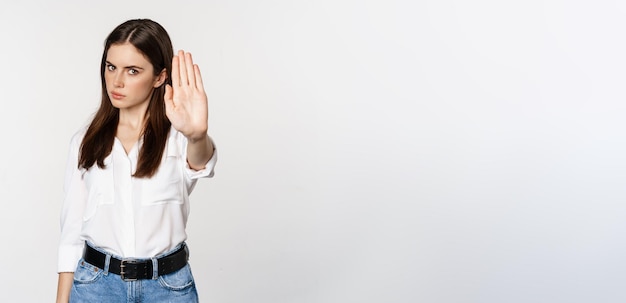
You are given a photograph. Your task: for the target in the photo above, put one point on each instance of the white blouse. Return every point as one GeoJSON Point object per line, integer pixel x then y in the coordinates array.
{"type": "Point", "coordinates": [128, 217]}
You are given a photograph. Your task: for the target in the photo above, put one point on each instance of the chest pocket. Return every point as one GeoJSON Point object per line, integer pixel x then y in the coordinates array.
{"type": "Point", "coordinates": [166, 186]}
{"type": "Point", "coordinates": [99, 183]}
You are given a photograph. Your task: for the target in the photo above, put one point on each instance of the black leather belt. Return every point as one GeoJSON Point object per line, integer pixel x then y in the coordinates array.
{"type": "Point", "coordinates": [132, 270]}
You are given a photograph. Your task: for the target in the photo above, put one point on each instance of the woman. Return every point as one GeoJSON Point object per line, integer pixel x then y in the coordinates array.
{"type": "Point", "coordinates": [130, 173]}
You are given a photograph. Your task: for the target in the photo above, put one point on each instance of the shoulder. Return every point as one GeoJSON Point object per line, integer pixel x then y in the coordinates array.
{"type": "Point", "coordinates": [77, 137]}
{"type": "Point", "coordinates": [175, 144]}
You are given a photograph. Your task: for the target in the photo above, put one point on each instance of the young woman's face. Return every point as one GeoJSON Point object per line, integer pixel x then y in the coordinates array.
{"type": "Point", "coordinates": [129, 77]}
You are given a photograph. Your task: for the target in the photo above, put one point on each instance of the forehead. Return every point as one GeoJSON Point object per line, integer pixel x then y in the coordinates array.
{"type": "Point", "coordinates": [127, 55]}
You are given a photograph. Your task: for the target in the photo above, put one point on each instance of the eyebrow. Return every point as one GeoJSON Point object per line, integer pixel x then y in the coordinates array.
{"type": "Point", "coordinates": [126, 67]}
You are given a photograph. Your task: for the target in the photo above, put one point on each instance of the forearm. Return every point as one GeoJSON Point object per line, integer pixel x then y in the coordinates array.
{"type": "Point", "coordinates": [199, 152]}
{"type": "Point", "coordinates": [66, 279]}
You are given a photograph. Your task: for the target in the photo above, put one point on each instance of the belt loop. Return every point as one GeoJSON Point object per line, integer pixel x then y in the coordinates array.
{"type": "Point", "coordinates": [107, 263]}
{"type": "Point", "coordinates": [155, 268]}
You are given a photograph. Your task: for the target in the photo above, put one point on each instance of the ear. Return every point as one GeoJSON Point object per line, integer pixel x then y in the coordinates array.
{"type": "Point", "coordinates": [160, 79]}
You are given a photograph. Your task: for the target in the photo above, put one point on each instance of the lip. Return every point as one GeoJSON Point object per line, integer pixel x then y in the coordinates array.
{"type": "Point", "coordinates": [117, 96]}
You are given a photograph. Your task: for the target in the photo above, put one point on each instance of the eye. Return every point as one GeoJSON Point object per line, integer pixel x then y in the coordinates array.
{"type": "Point", "coordinates": [133, 71]}
{"type": "Point", "coordinates": [110, 67]}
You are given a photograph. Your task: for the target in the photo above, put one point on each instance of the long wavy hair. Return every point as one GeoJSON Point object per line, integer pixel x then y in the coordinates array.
{"type": "Point", "coordinates": [151, 39]}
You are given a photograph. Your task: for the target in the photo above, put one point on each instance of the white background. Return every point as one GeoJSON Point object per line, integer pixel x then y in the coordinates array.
{"type": "Point", "coordinates": [370, 151]}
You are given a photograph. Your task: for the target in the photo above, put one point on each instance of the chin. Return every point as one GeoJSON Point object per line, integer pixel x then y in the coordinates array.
{"type": "Point", "coordinates": [128, 104]}
{"type": "Point", "coordinates": [117, 104]}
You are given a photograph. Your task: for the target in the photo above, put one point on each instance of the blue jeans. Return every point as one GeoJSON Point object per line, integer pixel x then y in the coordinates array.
{"type": "Point", "coordinates": [92, 284]}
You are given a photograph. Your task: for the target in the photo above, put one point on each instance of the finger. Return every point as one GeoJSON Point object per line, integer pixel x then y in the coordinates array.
{"type": "Point", "coordinates": [175, 72]}
{"type": "Point", "coordinates": [184, 80]}
{"type": "Point", "coordinates": [198, 76]}
{"type": "Point", "coordinates": [189, 68]}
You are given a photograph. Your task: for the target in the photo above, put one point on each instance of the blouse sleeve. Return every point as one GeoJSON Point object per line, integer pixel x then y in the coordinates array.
{"type": "Point", "coordinates": [71, 245]}
{"type": "Point", "coordinates": [209, 167]}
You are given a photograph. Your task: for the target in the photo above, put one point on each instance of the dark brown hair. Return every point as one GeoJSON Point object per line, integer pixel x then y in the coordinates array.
{"type": "Point", "coordinates": [151, 39]}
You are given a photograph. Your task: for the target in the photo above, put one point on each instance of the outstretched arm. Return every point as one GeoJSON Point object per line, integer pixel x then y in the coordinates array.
{"type": "Point", "coordinates": [186, 106]}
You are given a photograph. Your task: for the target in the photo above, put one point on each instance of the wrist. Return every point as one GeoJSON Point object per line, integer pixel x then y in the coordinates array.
{"type": "Point", "coordinates": [197, 138]}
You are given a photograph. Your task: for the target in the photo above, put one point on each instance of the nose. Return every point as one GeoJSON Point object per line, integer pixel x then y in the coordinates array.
{"type": "Point", "coordinates": [118, 80]}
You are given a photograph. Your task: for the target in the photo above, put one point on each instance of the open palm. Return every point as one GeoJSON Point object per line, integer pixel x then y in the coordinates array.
{"type": "Point", "coordinates": [186, 104]}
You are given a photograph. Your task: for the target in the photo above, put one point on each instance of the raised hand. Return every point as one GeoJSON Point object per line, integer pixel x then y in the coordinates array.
{"type": "Point", "coordinates": [186, 104]}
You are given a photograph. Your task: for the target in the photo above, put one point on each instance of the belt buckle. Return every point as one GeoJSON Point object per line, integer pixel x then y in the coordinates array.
{"type": "Point", "coordinates": [128, 275]}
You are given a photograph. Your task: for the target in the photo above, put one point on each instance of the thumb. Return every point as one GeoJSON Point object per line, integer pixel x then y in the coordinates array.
{"type": "Point", "coordinates": [168, 98]}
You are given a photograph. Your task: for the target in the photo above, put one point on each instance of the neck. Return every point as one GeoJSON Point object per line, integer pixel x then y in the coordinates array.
{"type": "Point", "coordinates": [134, 118]}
